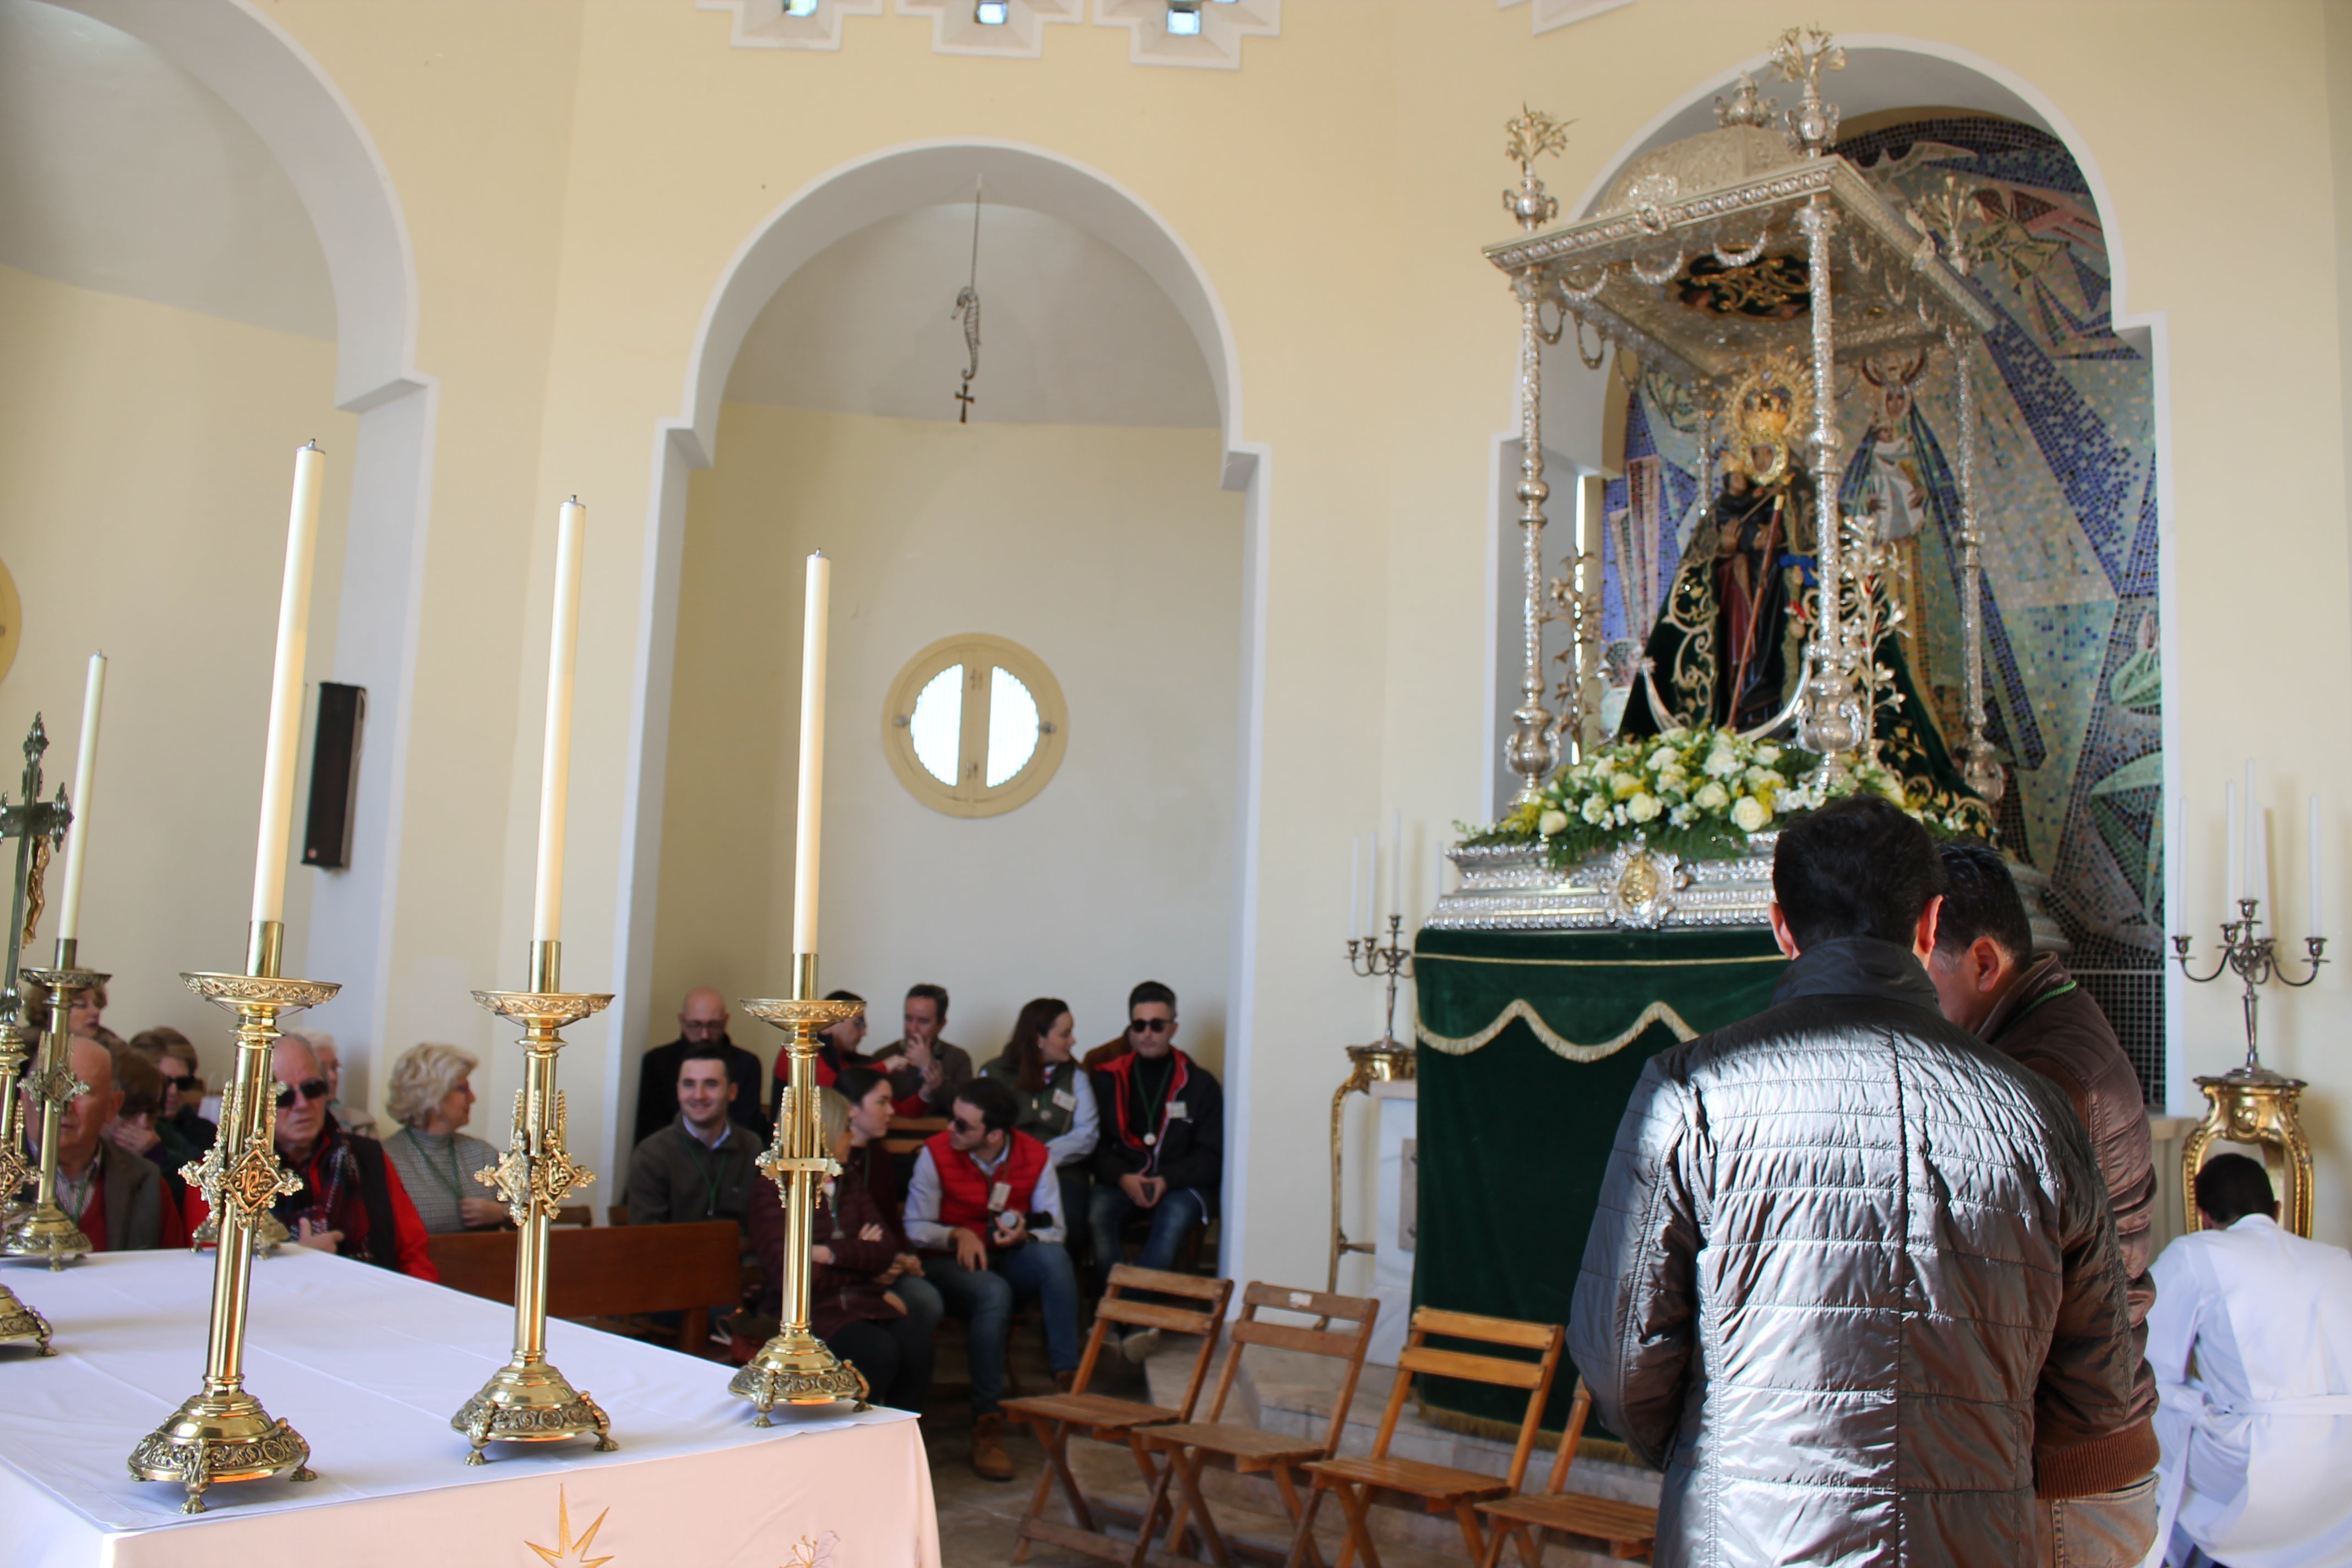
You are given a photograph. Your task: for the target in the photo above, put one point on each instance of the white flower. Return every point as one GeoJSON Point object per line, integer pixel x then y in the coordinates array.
{"type": "Point", "coordinates": [1767, 752]}
{"type": "Point", "coordinates": [1711, 795]}
{"type": "Point", "coordinates": [1642, 807]}
{"type": "Point", "coordinates": [1552, 822]}
{"type": "Point", "coordinates": [1683, 815]}
{"type": "Point", "coordinates": [1721, 763]}
{"type": "Point", "coordinates": [1595, 810]}
{"type": "Point", "coordinates": [1625, 786]}
{"type": "Point", "coordinates": [1765, 778]}
{"type": "Point", "coordinates": [1748, 813]}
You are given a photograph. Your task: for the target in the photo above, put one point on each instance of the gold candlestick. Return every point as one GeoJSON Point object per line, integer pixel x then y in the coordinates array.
{"type": "Point", "coordinates": [19, 1324]}
{"type": "Point", "coordinates": [222, 1433]}
{"type": "Point", "coordinates": [527, 1400]}
{"type": "Point", "coordinates": [42, 1229]}
{"type": "Point", "coordinates": [795, 1367]}
{"type": "Point", "coordinates": [37, 827]}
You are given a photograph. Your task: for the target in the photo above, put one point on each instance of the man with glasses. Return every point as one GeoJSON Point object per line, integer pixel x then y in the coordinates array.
{"type": "Point", "coordinates": [350, 1201]}
{"type": "Point", "coordinates": [701, 1021]}
{"type": "Point", "coordinates": [984, 1200]}
{"type": "Point", "coordinates": [1162, 1149]}
{"type": "Point", "coordinates": [114, 1195]}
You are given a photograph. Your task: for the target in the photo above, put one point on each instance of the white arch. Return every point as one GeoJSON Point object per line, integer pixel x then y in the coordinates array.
{"type": "Point", "coordinates": [835, 204]}
{"type": "Point", "coordinates": [1887, 70]}
{"type": "Point", "coordinates": [275, 85]}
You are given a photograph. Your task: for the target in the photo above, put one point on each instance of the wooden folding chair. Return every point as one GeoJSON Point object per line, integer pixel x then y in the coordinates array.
{"type": "Point", "coordinates": [1630, 1529]}
{"type": "Point", "coordinates": [1441, 1489]}
{"type": "Point", "coordinates": [1058, 1417]}
{"type": "Point", "coordinates": [1245, 1449]}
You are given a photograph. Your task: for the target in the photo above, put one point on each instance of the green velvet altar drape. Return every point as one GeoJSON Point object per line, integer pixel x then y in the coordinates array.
{"type": "Point", "coordinates": [1530, 1044]}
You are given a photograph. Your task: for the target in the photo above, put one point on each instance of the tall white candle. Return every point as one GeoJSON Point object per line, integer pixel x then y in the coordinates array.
{"type": "Point", "coordinates": [286, 688]}
{"type": "Point", "coordinates": [2311, 833]}
{"type": "Point", "coordinates": [2234, 834]}
{"type": "Point", "coordinates": [86, 768]}
{"type": "Point", "coordinates": [1396, 864]}
{"type": "Point", "coordinates": [1355, 879]}
{"type": "Point", "coordinates": [2176, 866]}
{"type": "Point", "coordinates": [555, 760]}
{"type": "Point", "coordinates": [2258, 863]}
{"type": "Point", "coordinates": [2252, 887]}
{"type": "Point", "coordinates": [808, 832]}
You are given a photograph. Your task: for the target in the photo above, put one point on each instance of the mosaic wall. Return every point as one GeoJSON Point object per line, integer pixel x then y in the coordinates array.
{"type": "Point", "coordinates": [2066, 495]}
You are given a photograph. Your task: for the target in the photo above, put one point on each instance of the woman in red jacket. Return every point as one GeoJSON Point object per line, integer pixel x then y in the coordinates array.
{"type": "Point", "coordinates": [860, 1256]}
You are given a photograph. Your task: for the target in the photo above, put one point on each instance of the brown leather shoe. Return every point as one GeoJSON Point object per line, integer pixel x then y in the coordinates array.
{"type": "Point", "coordinates": [989, 1462]}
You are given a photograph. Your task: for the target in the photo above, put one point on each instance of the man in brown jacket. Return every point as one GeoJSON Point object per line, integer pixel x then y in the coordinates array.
{"type": "Point", "coordinates": [1989, 982]}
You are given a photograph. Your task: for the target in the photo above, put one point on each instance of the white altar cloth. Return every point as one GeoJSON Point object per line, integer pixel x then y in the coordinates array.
{"type": "Point", "coordinates": [368, 1365]}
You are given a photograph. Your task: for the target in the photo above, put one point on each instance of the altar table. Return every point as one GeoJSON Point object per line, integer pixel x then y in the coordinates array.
{"type": "Point", "coordinates": [1530, 1043]}
{"type": "Point", "coordinates": [368, 1365]}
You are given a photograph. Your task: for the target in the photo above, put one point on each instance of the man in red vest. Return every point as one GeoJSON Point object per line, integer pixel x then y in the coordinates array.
{"type": "Point", "coordinates": [985, 1209]}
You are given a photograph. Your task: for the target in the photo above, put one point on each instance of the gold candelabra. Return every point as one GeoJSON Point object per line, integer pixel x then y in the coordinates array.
{"type": "Point", "coordinates": [795, 1367]}
{"type": "Point", "coordinates": [42, 1229]}
{"type": "Point", "coordinates": [2252, 1104]}
{"type": "Point", "coordinates": [222, 1433]}
{"type": "Point", "coordinates": [1386, 1060]}
{"type": "Point", "coordinates": [37, 827]}
{"type": "Point", "coordinates": [527, 1400]}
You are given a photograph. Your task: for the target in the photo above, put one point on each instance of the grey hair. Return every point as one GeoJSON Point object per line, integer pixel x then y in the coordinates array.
{"type": "Point", "coordinates": [422, 1079]}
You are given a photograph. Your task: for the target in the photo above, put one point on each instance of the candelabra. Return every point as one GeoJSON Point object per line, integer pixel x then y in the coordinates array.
{"type": "Point", "coordinates": [2252, 1104]}
{"type": "Point", "coordinates": [1386, 1060]}
{"type": "Point", "coordinates": [222, 1433]}
{"type": "Point", "coordinates": [795, 1367]}
{"type": "Point", "coordinates": [37, 827]}
{"type": "Point", "coordinates": [527, 1400]}
{"type": "Point", "coordinates": [42, 1229]}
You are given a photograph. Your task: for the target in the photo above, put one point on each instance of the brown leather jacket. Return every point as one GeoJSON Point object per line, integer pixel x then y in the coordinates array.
{"type": "Point", "coordinates": [1852, 1271]}
{"type": "Point", "coordinates": [2050, 1024]}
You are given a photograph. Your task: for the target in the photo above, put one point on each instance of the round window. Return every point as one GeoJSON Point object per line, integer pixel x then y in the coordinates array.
{"type": "Point", "coordinates": [975, 725]}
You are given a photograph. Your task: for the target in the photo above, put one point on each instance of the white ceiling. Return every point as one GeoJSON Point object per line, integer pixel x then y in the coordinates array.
{"type": "Point", "coordinates": [122, 172]}
{"type": "Point", "coordinates": [1071, 332]}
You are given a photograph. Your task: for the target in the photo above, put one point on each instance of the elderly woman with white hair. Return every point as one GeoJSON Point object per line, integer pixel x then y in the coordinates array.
{"type": "Point", "coordinates": [431, 1099]}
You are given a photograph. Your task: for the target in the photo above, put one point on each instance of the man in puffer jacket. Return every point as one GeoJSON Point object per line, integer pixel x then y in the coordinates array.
{"type": "Point", "coordinates": [1852, 1271]}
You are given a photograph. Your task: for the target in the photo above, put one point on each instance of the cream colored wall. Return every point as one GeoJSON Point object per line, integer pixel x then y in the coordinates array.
{"type": "Point", "coordinates": [577, 176]}
{"type": "Point", "coordinates": [146, 460]}
{"type": "Point", "coordinates": [1108, 552]}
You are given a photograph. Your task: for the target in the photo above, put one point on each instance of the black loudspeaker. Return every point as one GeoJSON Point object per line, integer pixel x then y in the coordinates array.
{"type": "Point", "coordinates": [334, 775]}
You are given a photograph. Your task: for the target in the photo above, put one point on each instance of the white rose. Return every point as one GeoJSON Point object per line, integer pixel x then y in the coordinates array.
{"type": "Point", "coordinates": [1767, 752]}
{"type": "Point", "coordinates": [1711, 795]}
{"type": "Point", "coordinates": [1551, 822]}
{"type": "Point", "coordinates": [1766, 778]}
{"type": "Point", "coordinates": [1748, 813]}
{"type": "Point", "coordinates": [1595, 810]}
{"type": "Point", "coordinates": [1642, 807]}
{"type": "Point", "coordinates": [1625, 786]}
{"type": "Point", "coordinates": [1721, 763]}
{"type": "Point", "coordinates": [1684, 816]}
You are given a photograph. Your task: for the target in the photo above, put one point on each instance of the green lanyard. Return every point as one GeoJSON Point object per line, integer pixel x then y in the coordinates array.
{"type": "Point", "coordinates": [712, 1171]}
{"type": "Point", "coordinates": [452, 1179]}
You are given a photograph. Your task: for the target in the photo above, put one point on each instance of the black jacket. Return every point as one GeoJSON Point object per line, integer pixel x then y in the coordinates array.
{"type": "Point", "coordinates": [1186, 1127]}
{"type": "Point", "coordinates": [657, 1090]}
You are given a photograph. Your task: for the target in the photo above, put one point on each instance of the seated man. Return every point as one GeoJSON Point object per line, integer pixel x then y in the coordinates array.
{"type": "Point", "coordinates": [139, 1087]}
{"type": "Point", "coordinates": [701, 1021]}
{"type": "Point", "coordinates": [924, 1070]}
{"type": "Point", "coordinates": [983, 1198]}
{"type": "Point", "coordinates": [701, 1166]}
{"type": "Point", "coordinates": [2251, 1340]}
{"type": "Point", "coordinates": [184, 1132]}
{"type": "Point", "coordinates": [1161, 1145]}
{"type": "Point", "coordinates": [350, 1118]}
{"type": "Point", "coordinates": [350, 1201]}
{"type": "Point", "coordinates": [115, 1195]}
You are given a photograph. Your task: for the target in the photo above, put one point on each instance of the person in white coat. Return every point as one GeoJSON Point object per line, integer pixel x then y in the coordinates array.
{"type": "Point", "coordinates": [2251, 1338]}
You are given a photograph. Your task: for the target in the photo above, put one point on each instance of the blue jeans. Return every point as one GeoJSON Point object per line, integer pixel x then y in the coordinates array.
{"type": "Point", "coordinates": [1178, 1210]}
{"type": "Point", "coordinates": [985, 1297]}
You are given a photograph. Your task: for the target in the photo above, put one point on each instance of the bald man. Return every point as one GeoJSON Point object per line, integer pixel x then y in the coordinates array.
{"type": "Point", "coordinates": [701, 1021]}
{"type": "Point", "coordinates": [351, 1202]}
{"type": "Point", "coordinates": [116, 1197]}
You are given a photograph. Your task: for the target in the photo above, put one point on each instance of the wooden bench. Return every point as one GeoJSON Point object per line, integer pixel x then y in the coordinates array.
{"type": "Point", "coordinates": [609, 1272]}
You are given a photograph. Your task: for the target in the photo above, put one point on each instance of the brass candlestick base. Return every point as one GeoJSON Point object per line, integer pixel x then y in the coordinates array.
{"type": "Point", "coordinates": [795, 1367]}
{"type": "Point", "coordinates": [527, 1400]}
{"type": "Point", "coordinates": [222, 1433]}
{"type": "Point", "coordinates": [42, 1229]}
{"type": "Point", "coordinates": [19, 1324]}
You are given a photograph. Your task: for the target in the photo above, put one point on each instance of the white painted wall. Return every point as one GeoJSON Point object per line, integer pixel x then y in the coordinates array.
{"type": "Point", "coordinates": [1109, 552]}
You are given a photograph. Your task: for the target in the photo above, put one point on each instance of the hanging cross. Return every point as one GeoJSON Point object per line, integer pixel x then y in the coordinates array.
{"type": "Point", "coordinates": [963, 395]}
{"type": "Point", "coordinates": [967, 307]}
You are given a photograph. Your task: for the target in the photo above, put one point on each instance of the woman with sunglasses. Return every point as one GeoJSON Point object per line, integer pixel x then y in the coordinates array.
{"type": "Point", "coordinates": [431, 1097]}
{"type": "Point", "coordinates": [1040, 1066]}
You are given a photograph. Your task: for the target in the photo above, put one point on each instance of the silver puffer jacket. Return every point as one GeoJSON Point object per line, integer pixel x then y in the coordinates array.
{"type": "Point", "coordinates": [1851, 1270]}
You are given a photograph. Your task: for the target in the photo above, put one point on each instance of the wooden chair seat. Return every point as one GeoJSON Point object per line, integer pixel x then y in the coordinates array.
{"type": "Point", "coordinates": [1244, 1444]}
{"type": "Point", "coordinates": [1628, 1527]}
{"type": "Point", "coordinates": [1098, 1412]}
{"type": "Point", "coordinates": [1442, 1485]}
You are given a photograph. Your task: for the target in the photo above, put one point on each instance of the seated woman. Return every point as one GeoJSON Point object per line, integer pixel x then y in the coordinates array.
{"type": "Point", "coordinates": [181, 1128]}
{"type": "Point", "coordinates": [1056, 1099]}
{"type": "Point", "coordinates": [431, 1098]}
{"type": "Point", "coordinates": [867, 1298]}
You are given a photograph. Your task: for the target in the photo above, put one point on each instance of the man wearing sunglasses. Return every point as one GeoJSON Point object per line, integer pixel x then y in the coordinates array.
{"type": "Point", "coordinates": [351, 1202]}
{"type": "Point", "coordinates": [1162, 1145]}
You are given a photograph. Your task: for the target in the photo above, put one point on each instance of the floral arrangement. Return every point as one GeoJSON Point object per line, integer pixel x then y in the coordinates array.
{"type": "Point", "coordinates": [1701, 794]}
